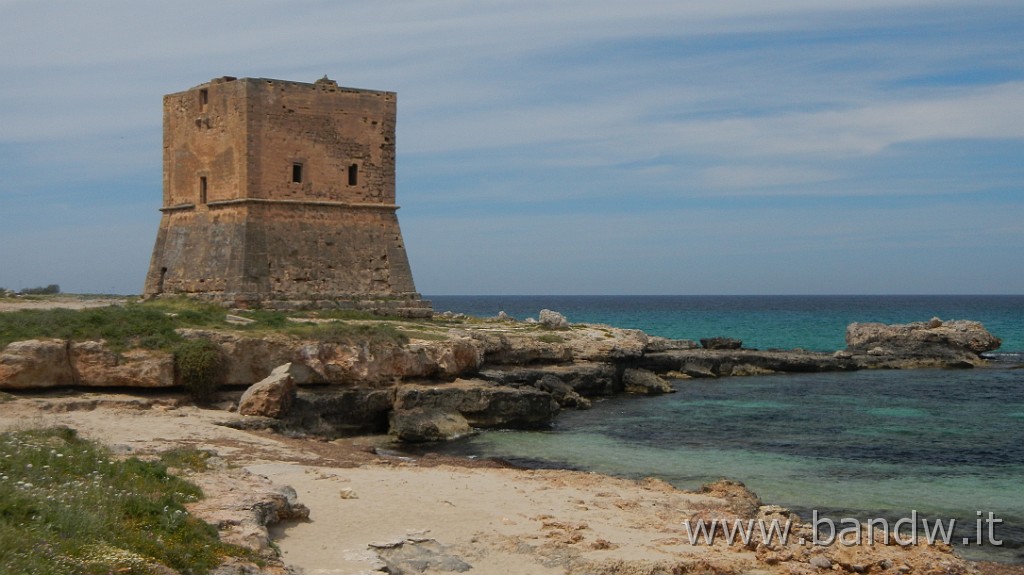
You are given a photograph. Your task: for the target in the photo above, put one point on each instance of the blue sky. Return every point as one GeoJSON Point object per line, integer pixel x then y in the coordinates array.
{"type": "Point", "coordinates": [569, 147]}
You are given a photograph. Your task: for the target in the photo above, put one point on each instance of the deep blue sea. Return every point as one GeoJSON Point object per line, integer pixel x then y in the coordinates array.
{"type": "Point", "coordinates": [947, 444]}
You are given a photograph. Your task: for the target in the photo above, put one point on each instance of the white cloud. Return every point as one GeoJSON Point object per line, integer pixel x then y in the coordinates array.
{"type": "Point", "coordinates": [531, 105]}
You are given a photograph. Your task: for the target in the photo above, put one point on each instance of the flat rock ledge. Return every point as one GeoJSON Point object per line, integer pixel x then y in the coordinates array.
{"type": "Point", "coordinates": [483, 374]}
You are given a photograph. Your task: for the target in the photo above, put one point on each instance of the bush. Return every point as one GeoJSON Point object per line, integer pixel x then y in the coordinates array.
{"type": "Point", "coordinates": [200, 367]}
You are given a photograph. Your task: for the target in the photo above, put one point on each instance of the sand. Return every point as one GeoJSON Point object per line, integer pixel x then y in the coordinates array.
{"type": "Point", "coordinates": [371, 511]}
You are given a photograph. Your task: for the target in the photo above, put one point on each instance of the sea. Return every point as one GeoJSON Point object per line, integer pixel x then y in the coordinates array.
{"type": "Point", "coordinates": [927, 444]}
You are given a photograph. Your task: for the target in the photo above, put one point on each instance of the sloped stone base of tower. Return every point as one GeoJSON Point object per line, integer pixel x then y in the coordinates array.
{"type": "Point", "coordinates": [286, 255]}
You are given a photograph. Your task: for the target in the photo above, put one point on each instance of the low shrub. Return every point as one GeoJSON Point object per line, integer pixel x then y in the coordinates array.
{"type": "Point", "coordinates": [200, 366]}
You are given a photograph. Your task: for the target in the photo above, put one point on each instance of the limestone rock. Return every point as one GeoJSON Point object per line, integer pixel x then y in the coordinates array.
{"type": "Point", "coordinates": [420, 555]}
{"type": "Point", "coordinates": [482, 403]}
{"type": "Point", "coordinates": [655, 344]}
{"type": "Point", "coordinates": [35, 363]}
{"type": "Point", "coordinates": [381, 364]}
{"type": "Point", "coordinates": [950, 340]}
{"type": "Point", "coordinates": [270, 397]}
{"type": "Point", "coordinates": [644, 382]}
{"type": "Point", "coordinates": [520, 349]}
{"type": "Point", "coordinates": [588, 379]}
{"type": "Point", "coordinates": [247, 358]}
{"type": "Point", "coordinates": [94, 365]}
{"type": "Point", "coordinates": [242, 505]}
{"type": "Point", "coordinates": [720, 343]}
{"type": "Point", "coordinates": [552, 319]}
{"type": "Point", "coordinates": [600, 343]}
{"type": "Point", "coordinates": [563, 393]}
{"type": "Point", "coordinates": [420, 424]}
{"type": "Point", "coordinates": [741, 501]}
{"type": "Point", "coordinates": [337, 412]}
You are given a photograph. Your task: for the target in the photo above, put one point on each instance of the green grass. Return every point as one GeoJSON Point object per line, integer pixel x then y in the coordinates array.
{"type": "Point", "coordinates": [68, 507]}
{"type": "Point", "coordinates": [151, 324]}
{"type": "Point", "coordinates": [372, 334]}
{"type": "Point", "coordinates": [147, 325]}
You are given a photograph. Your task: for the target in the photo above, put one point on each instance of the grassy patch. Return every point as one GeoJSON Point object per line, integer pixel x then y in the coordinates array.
{"type": "Point", "coordinates": [550, 338]}
{"type": "Point", "coordinates": [149, 325]}
{"type": "Point", "coordinates": [68, 507]}
{"type": "Point", "coordinates": [352, 333]}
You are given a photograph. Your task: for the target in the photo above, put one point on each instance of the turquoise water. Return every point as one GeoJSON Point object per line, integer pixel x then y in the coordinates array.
{"type": "Point", "coordinates": [945, 443]}
{"type": "Point", "coordinates": [763, 322]}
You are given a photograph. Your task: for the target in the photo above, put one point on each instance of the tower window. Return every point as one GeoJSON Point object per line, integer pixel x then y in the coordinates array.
{"type": "Point", "coordinates": [204, 98]}
{"type": "Point", "coordinates": [353, 174]}
{"type": "Point", "coordinates": [202, 189]}
{"type": "Point", "coordinates": [296, 173]}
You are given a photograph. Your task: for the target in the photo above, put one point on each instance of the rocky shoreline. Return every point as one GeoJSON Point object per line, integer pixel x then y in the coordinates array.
{"type": "Point", "coordinates": [455, 374]}
{"type": "Point", "coordinates": [324, 496]}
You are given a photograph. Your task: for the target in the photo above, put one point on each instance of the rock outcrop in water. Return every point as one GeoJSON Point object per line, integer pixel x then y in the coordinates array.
{"type": "Point", "coordinates": [955, 342]}
{"type": "Point", "coordinates": [494, 373]}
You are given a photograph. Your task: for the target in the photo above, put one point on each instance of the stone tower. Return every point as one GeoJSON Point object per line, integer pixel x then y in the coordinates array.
{"type": "Point", "coordinates": [282, 195]}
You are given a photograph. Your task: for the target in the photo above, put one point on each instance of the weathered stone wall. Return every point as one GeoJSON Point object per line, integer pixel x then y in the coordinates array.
{"type": "Point", "coordinates": [327, 130]}
{"type": "Point", "coordinates": [205, 140]}
{"type": "Point", "coordinates": [277, 191]}
{"type": "Point", "coordinates": [326, 250]}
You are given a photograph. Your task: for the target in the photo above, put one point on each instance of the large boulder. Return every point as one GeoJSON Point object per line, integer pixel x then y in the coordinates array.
{"type": "Point", "coordinates": [271, 397]}
{"type": "Point", "coordinates": [482, 403]}
{"type": "Point", "coordinates": [35, 363]}
{"type": "Point", "coordinates": [950, 340]}
{"type": "Point", "coordinates": [552, 319]}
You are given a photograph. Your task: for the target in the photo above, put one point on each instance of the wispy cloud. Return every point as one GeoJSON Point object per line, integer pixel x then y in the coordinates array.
{"type": "Point", "coordinates": [648, 120]}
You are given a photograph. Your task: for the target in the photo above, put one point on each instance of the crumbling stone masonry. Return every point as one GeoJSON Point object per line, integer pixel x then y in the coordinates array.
{"type": "Point", "coordinates": [282, 195]}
